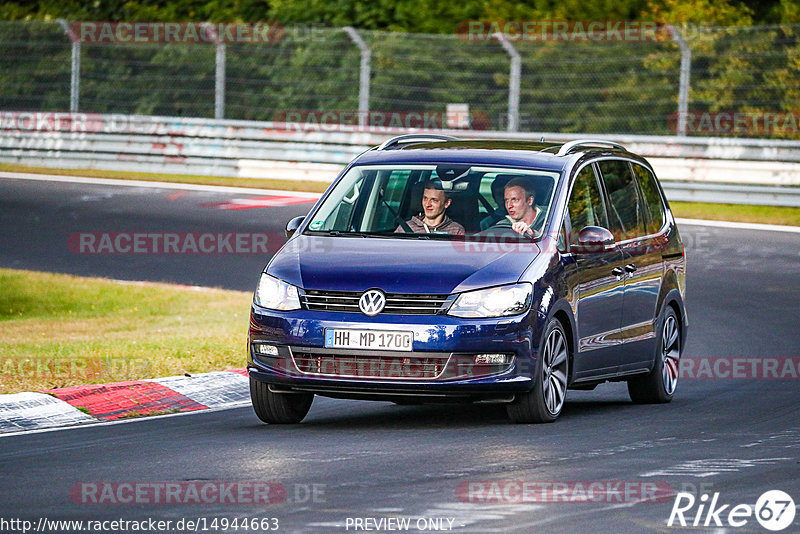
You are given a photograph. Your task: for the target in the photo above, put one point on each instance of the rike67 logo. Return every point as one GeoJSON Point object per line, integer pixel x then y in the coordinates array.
{"type": "Point", "coordinates": [774, 510]}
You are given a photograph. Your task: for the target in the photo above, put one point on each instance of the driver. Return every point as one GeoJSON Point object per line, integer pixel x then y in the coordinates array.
{"type": "Point", "coordinates": [523, 215]}
{"type": "Point", "coordinates": [433, 218]}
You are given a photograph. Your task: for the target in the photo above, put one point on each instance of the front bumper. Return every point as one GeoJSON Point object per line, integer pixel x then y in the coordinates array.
{"type": "Point", "coordinates": [440, 366]}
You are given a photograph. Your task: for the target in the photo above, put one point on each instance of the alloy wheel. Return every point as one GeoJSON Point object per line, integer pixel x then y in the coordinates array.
{"type": "Point", "coordinates": [554, 373]}
{"type": "Point", "coordinates": [670, 353]}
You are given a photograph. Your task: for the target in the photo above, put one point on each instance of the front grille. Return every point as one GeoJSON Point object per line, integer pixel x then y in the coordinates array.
{"type": "Point", "coordinates": [396, 303]}
{"type": "Point", "coordinates": [391, 367]}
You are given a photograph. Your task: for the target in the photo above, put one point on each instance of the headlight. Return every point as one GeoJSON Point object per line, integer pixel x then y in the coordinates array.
{"type": "Point", "coordinates": [493, 302]}
{"type": "Point", "coordinates": [276, 294]}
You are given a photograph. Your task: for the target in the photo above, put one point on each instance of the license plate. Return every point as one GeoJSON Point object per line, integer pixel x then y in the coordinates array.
{"type": "Point", "coordinates": [346, 338]}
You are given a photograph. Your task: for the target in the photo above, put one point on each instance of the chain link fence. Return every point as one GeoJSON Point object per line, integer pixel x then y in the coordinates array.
{"type": "Point", "coordinates": [323, 74]}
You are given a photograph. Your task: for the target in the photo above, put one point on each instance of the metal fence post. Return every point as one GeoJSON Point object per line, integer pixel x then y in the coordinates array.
{"type": "Point", "coordinates": [75, 72]}
{"type": "Point", "coordinates": [364, 74]}
{"type": "Point", "coordinates": [219, 83]}
{"type": "Point", "coordinates": [219, 76]}
{"type": "Point", "coordinates": [513, 82]}
{"type": "Point", "coordinates": [683, 88]}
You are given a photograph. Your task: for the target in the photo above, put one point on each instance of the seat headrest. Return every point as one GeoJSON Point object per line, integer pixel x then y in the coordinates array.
{"type": "Point", "coordinates": [542, 186]}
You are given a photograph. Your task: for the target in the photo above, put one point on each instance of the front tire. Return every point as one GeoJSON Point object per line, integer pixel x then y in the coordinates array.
{"type": "Point", "coordinates": [544, 402]}
{"type": "Point", "coordinates": [279, 408]}
{"type": "Point", "coordinates": [658, 386]}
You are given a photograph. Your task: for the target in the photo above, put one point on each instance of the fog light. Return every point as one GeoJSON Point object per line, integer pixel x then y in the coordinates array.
{"type": "Point", "coordinates": [266, 350]}
{"type": "Point", "coordinates": [492, 359]}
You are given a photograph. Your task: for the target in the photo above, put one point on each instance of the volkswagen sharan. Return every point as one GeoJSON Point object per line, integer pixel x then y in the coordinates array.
{"type": "Point", "coordinates": [436, 269]}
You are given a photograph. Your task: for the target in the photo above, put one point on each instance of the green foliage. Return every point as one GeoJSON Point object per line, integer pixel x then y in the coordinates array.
{"type": "Point", "coordinates": [172, 79]}
{"type": "Point", "coordinates": [34, 67]}
{"type": "Point", "coordinates": [620, 87]}
{"type": "Point", "coordinates": [701, 12]}
{"type": "Point", "coordinates": [417, 16]}
{"type": "Point", "coordinates": [308, 70]}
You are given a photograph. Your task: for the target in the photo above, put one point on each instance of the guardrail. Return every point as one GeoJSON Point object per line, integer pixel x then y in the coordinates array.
{"type": "Point", "coordinates": [732, 194]}
{"type": "Point", "coordinates": [752, 171]}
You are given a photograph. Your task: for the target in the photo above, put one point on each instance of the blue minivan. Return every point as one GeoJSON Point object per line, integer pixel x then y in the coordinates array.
{"type": "Point", "coordinates": [436, 269]}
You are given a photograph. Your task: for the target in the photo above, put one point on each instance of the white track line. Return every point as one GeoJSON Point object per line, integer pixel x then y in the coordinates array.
{"type": "Point", "coordinates": [255, 191]}
{"type": "Point", "coordinates": [154, 184]}
{"type": "Point", "coordinates": [741, 225]}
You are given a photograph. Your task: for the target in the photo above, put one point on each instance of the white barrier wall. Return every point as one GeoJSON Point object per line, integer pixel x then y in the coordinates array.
{"type": "Point", "coordinates": [728, 167]}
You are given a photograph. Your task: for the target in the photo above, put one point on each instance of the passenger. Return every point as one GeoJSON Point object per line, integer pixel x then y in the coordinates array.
{"type": "Point", "coordinates": [433, 218]}
{"type": "Point", "coordinates": [523, 215]}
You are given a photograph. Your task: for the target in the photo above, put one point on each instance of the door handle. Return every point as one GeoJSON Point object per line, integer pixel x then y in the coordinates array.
{"type": "Point", "coordinates": [618, 271]}
{"type": "Point", "coordinates": [630, 268]}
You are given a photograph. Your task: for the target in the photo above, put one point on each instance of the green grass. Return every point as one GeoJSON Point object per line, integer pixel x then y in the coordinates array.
{"type": "Point", "coordinates": [59, 330]}
{"type": "Point", "coordinates": [262, 183]}
{"type": "Point", "coordinates": [737, 212]}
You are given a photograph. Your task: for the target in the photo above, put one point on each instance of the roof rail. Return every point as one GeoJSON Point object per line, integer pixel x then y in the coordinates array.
{"type": "Point", "coordinates": [566, 148]}
{"type": "Point", "coordinates": [414, 138]}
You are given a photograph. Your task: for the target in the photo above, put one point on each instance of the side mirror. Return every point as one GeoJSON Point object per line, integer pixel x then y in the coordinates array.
{"type": "Point", "coordinates": [292, 226]}
{"type": "Point", "coordinates": [593, 239]}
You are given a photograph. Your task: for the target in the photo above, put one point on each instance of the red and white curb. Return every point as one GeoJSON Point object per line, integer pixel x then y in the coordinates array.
{"type": "Point", "coordinates": [108, 402]}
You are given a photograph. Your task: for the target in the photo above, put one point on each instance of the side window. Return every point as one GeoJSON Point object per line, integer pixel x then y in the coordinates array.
{"type": "Point", "coordinates": [341, 217]}
{"type": "Point", "coordinates": [561, 244]}
{"type": "Point", "coordinates": [585, 204]}
{"type": "Point", "coordinates": [652, 197]}
{"type": "Point", "coordinates": [625, 209]}
{"type": "Point", "coordinates": [396, 187]}
{"type": "Point", "coordinates": [393, 192]}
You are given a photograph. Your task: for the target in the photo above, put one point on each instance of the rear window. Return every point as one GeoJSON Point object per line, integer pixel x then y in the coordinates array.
{"type": "Point", "coordinates": [625, 207]}
{"type": "Point", "coordinates": [652, 196]}
{"type": "Point", "coordinates": [586, 206]}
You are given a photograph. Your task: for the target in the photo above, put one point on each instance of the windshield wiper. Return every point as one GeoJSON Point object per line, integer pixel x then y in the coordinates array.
{"type": "Point", "coordinates": [433, 235]}
{"type": "Point", "coordinates": [384, 235]}
{"type": "Point", "coordinates": [340, 233]}
{"type": "Point", "coordinates": [344, 233]}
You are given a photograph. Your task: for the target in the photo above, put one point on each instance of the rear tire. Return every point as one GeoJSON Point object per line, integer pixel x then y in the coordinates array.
{"type": "Point", "coordinates": [658, 386]}
{"type": "Point", "coordinates": [279, 408]}
{"type": "Point", "coordinates": [544, 402]}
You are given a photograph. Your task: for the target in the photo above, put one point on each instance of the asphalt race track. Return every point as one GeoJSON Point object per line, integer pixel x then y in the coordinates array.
{"type": "Point", "coordinates": [353, 460]}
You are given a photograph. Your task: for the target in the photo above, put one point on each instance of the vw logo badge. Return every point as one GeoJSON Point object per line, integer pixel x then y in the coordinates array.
{"type": "Point", "coordinates": [372, 302]}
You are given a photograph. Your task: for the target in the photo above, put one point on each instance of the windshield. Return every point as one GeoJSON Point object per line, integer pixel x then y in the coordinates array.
{"type": "Point", "coordinates": [445, 201]}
